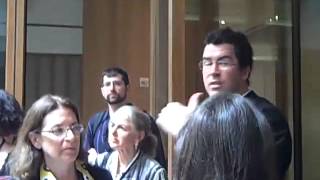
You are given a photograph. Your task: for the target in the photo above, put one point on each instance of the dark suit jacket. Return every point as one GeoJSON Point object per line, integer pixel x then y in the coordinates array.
{"type": "Point", "coordinates": [280, 130]}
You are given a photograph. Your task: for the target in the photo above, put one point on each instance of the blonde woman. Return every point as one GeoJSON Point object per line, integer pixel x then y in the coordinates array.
{"type": "Point", "coordinates": [48, 144]}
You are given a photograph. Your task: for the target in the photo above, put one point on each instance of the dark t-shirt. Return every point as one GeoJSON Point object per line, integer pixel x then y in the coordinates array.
{"type": "Point", "coordinates": [280, 131]}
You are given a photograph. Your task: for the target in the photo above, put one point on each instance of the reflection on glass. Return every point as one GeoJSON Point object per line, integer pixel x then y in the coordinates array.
{"type": "Point", "coordinates": [310, 88]}
{"type": "Point", "coordinates": [268, 28]}
{"type": "Point", "coordinates": [267, 23]}
{"type": "Point", "coordinates": [3, 25]}
{"type": "Point", "coordinates": [53, 49]}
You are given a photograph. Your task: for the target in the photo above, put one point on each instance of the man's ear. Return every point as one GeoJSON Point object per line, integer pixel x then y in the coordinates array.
{"type": "Point", "coordinates": [246, 72]}
{"type": "Point", "coordinates": [35, 139]}
{"type": "Point", "coordinates": [104, 94]}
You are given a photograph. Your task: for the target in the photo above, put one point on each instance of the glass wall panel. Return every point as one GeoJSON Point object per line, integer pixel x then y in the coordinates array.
{"type": "Point", "coordinates": [268, 26]}
{"type": "Point", "coordinates": [310, 88]}
{"type": "Point", "coordinates": [53, 49]}
{"type": "Point", "coordinates": [3, 32]}
{"type": "Point", "coordinates": [267, 23]}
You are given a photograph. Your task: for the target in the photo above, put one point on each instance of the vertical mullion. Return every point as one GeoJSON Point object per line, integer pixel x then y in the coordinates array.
{"type": "Point", "coordinates": [10, 46]}
{"type": "Point", "coordinates": [296, 56]}
{"type": "Point", "coordinates": [154, 50]}
{"type": "Point", "coordinates": [20, 49]}
{"type": "Point", "coordinates": [170, 83]}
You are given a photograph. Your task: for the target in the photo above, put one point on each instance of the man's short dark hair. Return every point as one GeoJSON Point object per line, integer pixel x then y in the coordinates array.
{"type": "Point", "coordinates": [242, 47]}
{"type": "Point", "coordinates": [115, 71]}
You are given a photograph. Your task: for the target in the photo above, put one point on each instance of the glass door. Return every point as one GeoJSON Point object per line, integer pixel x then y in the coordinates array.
{"type": "Point", "coordinates": [268, 25]}
{"type": "Point", "coordinates": [69, 43]}
{"type": "Point", "coordinates": [310, 88]}
{"type": "Point", "coordinates": [53, 49]}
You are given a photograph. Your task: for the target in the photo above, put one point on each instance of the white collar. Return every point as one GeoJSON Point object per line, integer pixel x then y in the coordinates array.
{"type": "Point", "coordinates": [119, 175]}
{"type": "Point", "coordinates": [246, 93]}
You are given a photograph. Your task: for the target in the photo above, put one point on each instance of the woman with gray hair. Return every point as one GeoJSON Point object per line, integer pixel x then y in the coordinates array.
{"type": "Point", "coordinates": [134, 147]}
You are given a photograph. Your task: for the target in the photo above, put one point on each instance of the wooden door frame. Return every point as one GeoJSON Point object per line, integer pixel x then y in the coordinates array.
{"type": "Point", "coordinates": [154, 49]}
{"type": "Point", "coordinates": [297, 98]}
{"type": "Point", "coordinates": [15, 48]}
{"type": "Point", "coordinates": [176, 64]}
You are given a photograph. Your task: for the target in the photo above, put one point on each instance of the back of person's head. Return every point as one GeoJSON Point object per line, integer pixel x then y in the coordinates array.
{"type": "Point", "coordinates": [11, 114]}
{"type": "Point", "coordinates": [142, 123]}
{"type": "Point", "coordinates": [115, 71]}
{"type": "Point", "coordinates": [242, 47]}
{"type": "Point", "coordinates": [226, 138]}
{"type": "Point", "coordinates": [25, 160]}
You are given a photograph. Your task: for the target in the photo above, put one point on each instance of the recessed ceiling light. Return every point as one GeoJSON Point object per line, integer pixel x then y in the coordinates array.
{"type": "Point", "coordinates": [222, 21]}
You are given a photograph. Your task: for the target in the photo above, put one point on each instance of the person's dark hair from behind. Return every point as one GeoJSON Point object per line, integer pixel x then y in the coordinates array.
{"type": "Point", "coordinates": [115, 71]}
{"type": "Point", "coordinates": [226, 138]}
{"type": "Point", "coordinates": [240, 42]}
{"type": "Point", "coordinates": [11, 114]}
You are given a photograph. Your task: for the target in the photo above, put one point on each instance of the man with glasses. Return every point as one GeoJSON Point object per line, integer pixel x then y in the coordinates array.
{"type": "Point", "coordinates": [226, 66]}
{"type": "Point", "coordinates": [114, 88]}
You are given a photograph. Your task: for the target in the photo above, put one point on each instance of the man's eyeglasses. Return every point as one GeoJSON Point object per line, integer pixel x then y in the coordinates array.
{"type": "Point", "coordinates": [223, 63]}
{"type": "Point", "coordinates": [60, 132]}
{"type": "Point", "coordinates": [115, 83]}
